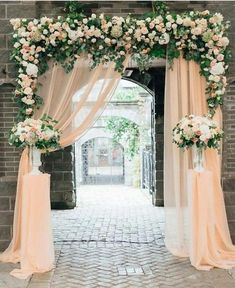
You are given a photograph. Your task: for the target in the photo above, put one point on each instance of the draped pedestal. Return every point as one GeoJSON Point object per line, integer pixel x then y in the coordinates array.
{"type": "Point", "coordinates": [37, 250]}
{"type": "Point", "coordinates": [184, 95]}
{"type": "Point", "coordinates": [207, 249]}
{"type": "Point", "coordinates": [75, 100]}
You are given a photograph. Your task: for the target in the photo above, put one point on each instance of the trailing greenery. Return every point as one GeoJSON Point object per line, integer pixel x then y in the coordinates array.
{"type": "Point", "coordinates": [124, 131]}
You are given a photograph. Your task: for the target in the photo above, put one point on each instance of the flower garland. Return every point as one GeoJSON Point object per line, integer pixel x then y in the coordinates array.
{"type": "Point", "coordinates": [199, 36]}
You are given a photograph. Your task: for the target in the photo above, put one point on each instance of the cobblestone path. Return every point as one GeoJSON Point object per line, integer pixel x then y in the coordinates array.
{"type": "Point", "coordinates": [114, 238]}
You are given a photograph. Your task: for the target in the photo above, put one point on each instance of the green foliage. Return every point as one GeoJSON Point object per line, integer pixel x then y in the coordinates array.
{"type": "Point", "coordinates": [126, 95]}
{"type": "Point", "coordinates": [160, 7]}
{"type": "Point", "coordinates": [124, 131]}
{"type": "Point", "coordinates": [75, 9]}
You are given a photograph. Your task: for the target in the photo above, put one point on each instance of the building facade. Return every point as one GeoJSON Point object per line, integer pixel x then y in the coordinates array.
{"type": "Point", "coordinates": [62, 162]}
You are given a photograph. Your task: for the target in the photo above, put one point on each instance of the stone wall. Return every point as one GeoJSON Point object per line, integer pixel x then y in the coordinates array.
{"type": "Point", "coordinates": [9, 156]}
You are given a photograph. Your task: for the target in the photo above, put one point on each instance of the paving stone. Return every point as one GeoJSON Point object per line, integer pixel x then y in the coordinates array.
{"type": "Point", "coordinates": [115, 238]}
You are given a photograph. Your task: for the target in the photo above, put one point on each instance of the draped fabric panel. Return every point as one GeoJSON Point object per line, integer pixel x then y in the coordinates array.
{"type": "Point", "coordinates": [75, 100]}
{"type": "Point", "coordinates": [185, 94]}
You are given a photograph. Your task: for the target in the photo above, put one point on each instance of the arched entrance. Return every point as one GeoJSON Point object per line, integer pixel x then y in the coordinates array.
{"type": "Point", "coordinates": [116, 149]}
{"type": "Point", "coordinates": [61, 164]}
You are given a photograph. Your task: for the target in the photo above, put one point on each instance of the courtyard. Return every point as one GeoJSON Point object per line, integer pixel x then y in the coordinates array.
{"type": "Point", "coordinates": [114, 238]}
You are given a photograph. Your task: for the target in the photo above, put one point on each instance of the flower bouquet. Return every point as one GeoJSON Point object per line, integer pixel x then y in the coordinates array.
{"type": "Point", "coordinates": [40, 135]}
{"type": "Point", "coordinates": [199, 132]}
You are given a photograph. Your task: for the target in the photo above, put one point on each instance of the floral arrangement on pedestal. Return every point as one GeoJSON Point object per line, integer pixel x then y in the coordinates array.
{"type": "Point", "coordinates": [40, 134]}
{"type": "Point", "coordinates": [198, 132]}
{"type": "Point", "coordinates": [199, 36]}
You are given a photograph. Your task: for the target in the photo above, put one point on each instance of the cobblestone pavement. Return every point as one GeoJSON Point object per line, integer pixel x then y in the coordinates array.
{"type": "Point", "coordinates": [114, 238]}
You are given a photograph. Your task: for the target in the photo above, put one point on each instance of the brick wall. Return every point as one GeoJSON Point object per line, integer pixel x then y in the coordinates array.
{"type": "Point", "coordinates": [9, 156]}
{"type": "Point", "coordinates": [61, 166]}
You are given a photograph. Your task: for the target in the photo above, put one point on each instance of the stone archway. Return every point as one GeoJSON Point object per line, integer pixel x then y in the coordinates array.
{"type": "Point", "coordinates": [61, 164]}
{"type": "Point", "coordinates": [153, 81]}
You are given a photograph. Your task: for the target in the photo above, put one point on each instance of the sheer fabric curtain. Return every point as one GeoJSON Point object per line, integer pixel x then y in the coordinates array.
{"type": "Point", "coordinates": [185, 94]}
{"type": "Point", "coordinates": [75, 100]}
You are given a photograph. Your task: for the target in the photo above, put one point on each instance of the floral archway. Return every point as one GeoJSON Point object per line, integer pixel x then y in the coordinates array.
{"type": "Point", "coordinates": [198, 36]}
{"type": "Point", "coordinates": [67, 53]}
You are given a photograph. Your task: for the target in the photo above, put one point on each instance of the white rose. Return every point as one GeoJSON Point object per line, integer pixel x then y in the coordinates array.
{"type": "Point", "coordinates": [24, 63]}
{"type": "Point", "coordinates": [179, 20]}
{"type": "Point", "coordinates": [164, 39]}
{"type": "Point", "coordinates": [168, 25]}
{"type": "Point", "coordinates": [101, 16]}
{"type": "Point", "coordinates": [220, 57]}
{"type": "Point", "coordinates": [27, 101]}
{"type": "Point", "coordinates": [204, 129]}
{"type": "Point", "coordinates": [28, 90]}
{"type": "Point", "coordinates": [29, 111]}
{"type": "Point", "coordinates": [216, 78]}
{"type": "Point", "coordinates": [17, 45]}
{"type": "Point", "coordinates": [204, 137]}
{"type": "Point", "coordinates": [107, 40]}
{"type": "Point", "coordinates": [187, 22]}
{"type": "Point", "coordinates": [224, 41]}
{"type": "Point", "coordinates": [196, 31]}
{"type": "Point", "coordinates": [22, 138]}
{"type": "Point", "coordinates": [16, 23]}
{"type": "Point", "coordinates": [32, 70]}
{"type": "Point", "coordinates": [219, 92]}
{"type": "Point", "coordinates": [177, 137]}
{"type": "Point", "coordinates": [217, 69]}
{"type": "Point", "coordinates": [22, 40]}
{"type": "Point", "coordinates": [73, 35]}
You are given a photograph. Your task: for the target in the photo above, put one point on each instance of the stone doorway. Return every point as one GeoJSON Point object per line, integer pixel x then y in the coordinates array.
{"type": "Point", "coordinates": [61, 164]}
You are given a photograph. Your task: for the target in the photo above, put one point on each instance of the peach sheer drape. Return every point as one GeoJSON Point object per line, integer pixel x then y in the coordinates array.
{"type": "Point", "coordinates": [75, 100]}
{"type": "Point", "coordinates": [185, 94]}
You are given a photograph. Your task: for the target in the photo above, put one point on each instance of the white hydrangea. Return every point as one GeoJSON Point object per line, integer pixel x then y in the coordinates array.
{"type": "Point", "coordinates": [217, 69]}
{"type": "Point", "coordinates": [32, 70]}
{"type": "Point", "coordinates": [116, 31]}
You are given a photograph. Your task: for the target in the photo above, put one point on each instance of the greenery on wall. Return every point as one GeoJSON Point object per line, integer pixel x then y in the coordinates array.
{"type": "Point", "coordinates": [127, 94]}
{"type": "Point", "coordinates": [126, 132]}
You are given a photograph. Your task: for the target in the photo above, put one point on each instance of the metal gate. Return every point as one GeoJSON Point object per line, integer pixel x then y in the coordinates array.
{"type": "Point", "coordinates": [102, 162]}
{"type": "Point", "coordinates": [147, 169]}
